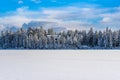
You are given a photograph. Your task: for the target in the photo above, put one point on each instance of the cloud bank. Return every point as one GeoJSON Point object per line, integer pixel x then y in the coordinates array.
{"type": "Point", "coordinates": [70, 17]}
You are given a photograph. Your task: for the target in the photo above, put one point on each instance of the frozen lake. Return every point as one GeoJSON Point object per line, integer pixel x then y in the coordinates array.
{"type": "Point", "coordinates": [59, 65]}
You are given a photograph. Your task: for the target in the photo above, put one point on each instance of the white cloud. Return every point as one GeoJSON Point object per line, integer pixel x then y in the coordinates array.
{"type": "Point", "coordinates": [73, 25]}
{"type": "Point", "coordinates": [36, 1]}
{"type": "Point", "coordinates": [106, 20]}
{"type": "Point", "coordinates": [14, 20]}
{"type": "Point", "coordinates": [69, 17]}
{"type": "Point", "coordinates": [20, 2]}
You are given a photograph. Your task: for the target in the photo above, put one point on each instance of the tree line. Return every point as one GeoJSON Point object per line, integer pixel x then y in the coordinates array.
{"type": "Point", "coordinates": [39, 38]}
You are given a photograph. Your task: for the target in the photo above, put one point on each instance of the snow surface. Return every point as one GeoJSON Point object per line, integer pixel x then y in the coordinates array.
{"type": "Point", "coordinates": [59, 65]}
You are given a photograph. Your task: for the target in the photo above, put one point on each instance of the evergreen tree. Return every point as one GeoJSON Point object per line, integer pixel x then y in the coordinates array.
{"type": "Point", "coordinates": [100, 39]}
{"type": "Point", "coordinates": [38, 38]}
{"type": "Point", "coordinates": [119, 38]}
{"type": "Point", "coordinates": [90, 37]}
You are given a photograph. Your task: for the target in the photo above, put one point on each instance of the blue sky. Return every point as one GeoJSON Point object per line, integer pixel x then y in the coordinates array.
{"type": "Point", "coordinates": [10, 5]}
{"type": "Point", "coordinates": [77, 14]}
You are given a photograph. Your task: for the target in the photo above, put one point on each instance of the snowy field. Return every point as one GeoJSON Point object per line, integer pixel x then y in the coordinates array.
{"type": "Point", "coordinates": [59, 65]}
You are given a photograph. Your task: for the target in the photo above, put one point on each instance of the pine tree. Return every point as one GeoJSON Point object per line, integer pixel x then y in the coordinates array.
{"type": "Point", "coordinates": [99, 42]}
{"type": "Point", "coordinates": [110, 39]}
{"type": "Point", "coordinates": [119, 38]}
{"type": "Point", "coordinates": [95, 38]}
{"type": "Point", "coordinates": [90, 37]}
{"type": "Point", "coordinates": [50, 31]}
{"type": "Point", "coordinates": [2, 39]}
{"type": "Point", "coordinates": [84, 36]}
{"type": "Point", "coordinates": [34, 38]}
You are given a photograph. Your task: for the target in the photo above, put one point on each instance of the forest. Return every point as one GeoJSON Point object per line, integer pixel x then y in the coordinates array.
{"type": "Point", "coordinates": [39, 38]}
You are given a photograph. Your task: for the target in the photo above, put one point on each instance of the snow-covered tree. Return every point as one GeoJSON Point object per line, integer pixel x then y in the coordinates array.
{"type": "Point", "coordinates": [119, 38]}
{"type": "Point", "coordinates": [38, 38]}
{"type": "Point", "coordinates": [84, 36]}
{"type": "Point", "coordinates": [50, 31]}
{"type": "Point", "coordinates": [2, 39]}
{"type": "Point", "coordinates": [110, 39]}
{"type": "Point", "coordinates": [100, 39]}
{"type": "Point", "coordinates": [95, 39]}
{"type": "Point", "coordinates": [90, 37]}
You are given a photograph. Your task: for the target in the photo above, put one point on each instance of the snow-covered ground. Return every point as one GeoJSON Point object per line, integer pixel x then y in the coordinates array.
{"type": "Point", "coordinates": [59, 65]}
